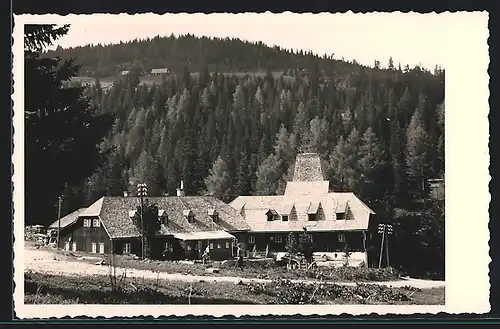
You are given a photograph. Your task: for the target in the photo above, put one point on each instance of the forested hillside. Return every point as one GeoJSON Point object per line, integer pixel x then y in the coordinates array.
{"type": "Point", "coordinates": [380, 132]}
{"type": "Point", "coordinates": [200, 53]}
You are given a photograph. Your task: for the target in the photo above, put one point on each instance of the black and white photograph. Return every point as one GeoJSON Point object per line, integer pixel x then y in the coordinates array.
{"type": "Point", "coordinates": [273, 163]}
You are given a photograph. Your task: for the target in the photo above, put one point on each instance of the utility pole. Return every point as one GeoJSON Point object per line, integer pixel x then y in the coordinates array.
{"type": "Point", "coordinates": [59, 201]}
{"type": "Point", "coordinates": [142, 191]}
{"type": "Point", "coordinates": [381, 230]}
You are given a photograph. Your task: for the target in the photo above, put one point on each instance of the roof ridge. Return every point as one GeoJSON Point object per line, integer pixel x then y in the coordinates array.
{"type": "Point", "coordinates": [183, 203]}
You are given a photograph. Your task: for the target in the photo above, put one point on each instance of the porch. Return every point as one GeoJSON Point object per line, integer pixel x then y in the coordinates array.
{"type": "Point", "coordinates": [219, 244]}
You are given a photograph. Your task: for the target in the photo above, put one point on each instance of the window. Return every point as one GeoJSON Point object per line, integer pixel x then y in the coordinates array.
{"type": "Point", "coordinates": [278, 239]}
{"type": "Point", "coordinates": [189, 247]}
{"type": "Point", "coordinates": [340, 216]}
{"type": "Point", "coordinates": [126, 248]}
{"type": "Point", "coordinates": [215, 218]}
{"type": "Point", "coordinates": [284, 218]}
{"type": "Point", "coordinates": [211, 246]}
{"type": "Point", "coordinates": [101, 247]}
{"type": "Point", "coordinates": [191, 219]}
{"type": "Point", "coordinates": [168, 246]}
{"type": "Point", "coordinates": [164, 219]}
{"type": "Point", "coordinates": [96, 222]}
{"type": "Point", "coordinates": [251, 239]}
{"type": "Point", "coordinates": [87, 222]}
{"type": "Point", "coordinates": [219, 246]}
{"type": "Point", "coordinates": [311, 217]}
{"type": "Point", "coordinates": [341, 237]}
{"type": "Point", "coordinates": [227, 245]}
{"type": "Point", "coordinates": [94, 247]}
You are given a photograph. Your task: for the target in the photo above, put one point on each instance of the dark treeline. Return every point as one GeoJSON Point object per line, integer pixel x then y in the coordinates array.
{"type": "Point", "coordinates": [380, 132]}
{"type": "Point", "coordinates": [200, 53]}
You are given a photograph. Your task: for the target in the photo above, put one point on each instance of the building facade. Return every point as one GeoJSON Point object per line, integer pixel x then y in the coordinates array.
{"type": "Point", "coordinates": [188, 225]}
{"type": "Point", "coordinates": [336, 220]}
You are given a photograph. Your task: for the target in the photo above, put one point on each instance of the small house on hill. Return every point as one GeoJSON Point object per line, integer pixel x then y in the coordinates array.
{"type": "Point", "coordinates": [335, 220]}
{"type": "Point", "coordinates": [437, 188]}
{"type": "Point", "coordinates": [161, 71]}
{"type": "Point", "coordinates": [189, 224]}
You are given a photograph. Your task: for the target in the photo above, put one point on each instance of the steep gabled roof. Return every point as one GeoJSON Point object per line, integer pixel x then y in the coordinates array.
{"type": "Point", "coordinates": [67, 220]}
{"type": "Point", "coordinates": [114, 214]}
{"type": "Point", "coordinates": [308, 168]}
{"type": "Point", "coordinates": [255, 212]}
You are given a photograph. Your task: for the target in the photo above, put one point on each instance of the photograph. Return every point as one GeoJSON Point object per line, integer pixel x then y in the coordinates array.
{"type": "Point", "coordinates": [250, 159]}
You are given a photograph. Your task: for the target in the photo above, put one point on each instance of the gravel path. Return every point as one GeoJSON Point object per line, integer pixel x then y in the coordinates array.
{"type": "Point", "coordinates": [45, 261]}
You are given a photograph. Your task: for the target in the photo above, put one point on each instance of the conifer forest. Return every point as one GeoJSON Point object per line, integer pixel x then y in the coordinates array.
{"type": "Point", "coordinates": [228, 120]}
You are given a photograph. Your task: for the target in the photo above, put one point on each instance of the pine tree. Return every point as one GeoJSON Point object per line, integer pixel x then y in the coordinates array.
{"type": "Point", "coordinates": [417, 150]}
{"type": "Point", "coordinates": [63, 129]}
{"type": "Point", "coordinates": [218, 180]}
{"type": "Point", "coordinates": [243, 186]}
{"type": "Point", "coordinates": [371, 163]}
{"type": "Point", "coordinates": [268, 175]}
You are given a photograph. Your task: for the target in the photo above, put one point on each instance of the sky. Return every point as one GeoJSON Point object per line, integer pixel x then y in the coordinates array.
{"type": "Point", "coordinates": [413, 39]}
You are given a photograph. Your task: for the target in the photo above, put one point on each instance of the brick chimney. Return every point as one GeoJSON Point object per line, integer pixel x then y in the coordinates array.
{"type": "Point", "coordinates": [180, 190]}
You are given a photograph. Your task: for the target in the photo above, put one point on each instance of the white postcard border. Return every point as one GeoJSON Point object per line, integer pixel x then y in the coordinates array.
{"type": "Point", "coordinates": [467, 178]}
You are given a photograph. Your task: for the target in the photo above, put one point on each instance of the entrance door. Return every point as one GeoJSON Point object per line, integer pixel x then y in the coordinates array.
{"type": "Point", "coordinates": [94, 247]}
{"type": "Point", "coordinates": [66, 246]}
{"type": "Point", "coordinates": [73, 247]}
{"type": "Point", "coordinates": [101, 247]}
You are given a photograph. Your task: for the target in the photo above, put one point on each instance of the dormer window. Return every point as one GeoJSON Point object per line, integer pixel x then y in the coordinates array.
{"type": "Point", "coordinates": [271, 215]}
{"type": "Point", "coordinates": [285, 212]}
{"type": "Point", "coordinates": [341, 216]}
{"type": "Point", "coordinates": [312, 211]}
{"type": "Point", "coordinates": [189, 215]}
{"type": "Point", "coordinates": [162, 217]}
{"type": "Point", "coordinates": [214, 215]}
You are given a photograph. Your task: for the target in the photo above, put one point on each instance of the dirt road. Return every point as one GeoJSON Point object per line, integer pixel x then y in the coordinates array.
{"type": "Point", "coordinates": [45, 261]}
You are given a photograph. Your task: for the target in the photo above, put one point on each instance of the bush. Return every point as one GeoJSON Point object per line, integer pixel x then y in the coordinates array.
{"type": "Point", "coordinates": [298, 293]}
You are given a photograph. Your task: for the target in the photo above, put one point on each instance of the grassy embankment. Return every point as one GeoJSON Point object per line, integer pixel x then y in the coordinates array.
{"type": "Point", "coordinates": [54, 289]}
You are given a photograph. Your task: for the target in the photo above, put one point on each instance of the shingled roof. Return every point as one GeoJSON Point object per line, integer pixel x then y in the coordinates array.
{"type": "Point", "coordinates": [306, 193]}
{"type": "Point", "coordinates": [255, 212]}
{"type": "Point", "coordinates": [114, 215]}
{"type": "Point", "coordinates": [308, 168]}
{"type": "Point", "coordinates": [67, 220]}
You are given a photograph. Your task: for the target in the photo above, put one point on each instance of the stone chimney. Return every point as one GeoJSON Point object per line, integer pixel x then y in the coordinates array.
{"type": "Point", "coordinates": [308, 168]}
{"type": "Point", "coordinates": [180, 190]}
